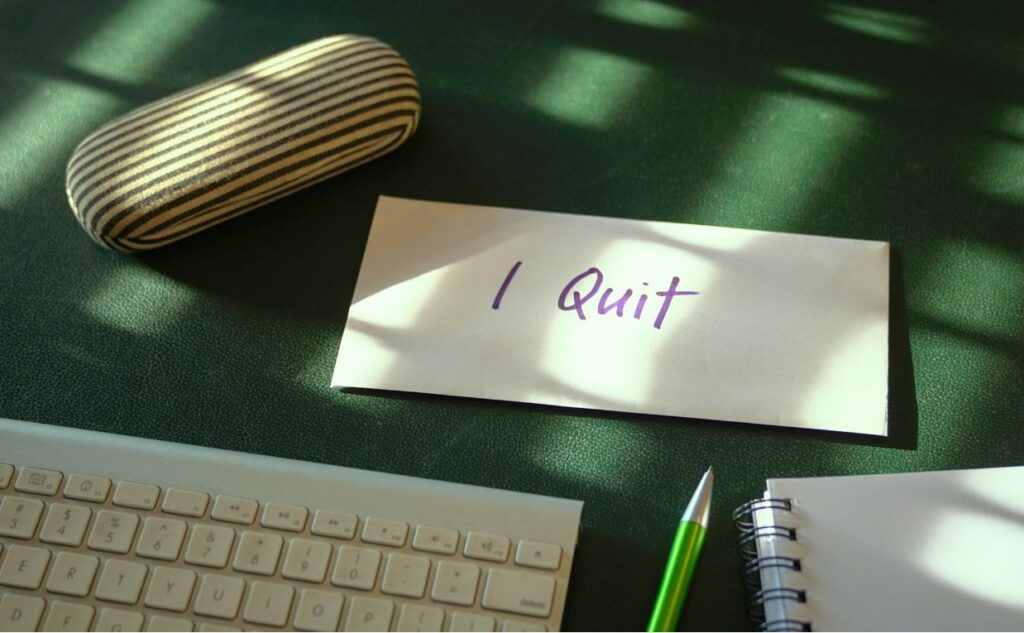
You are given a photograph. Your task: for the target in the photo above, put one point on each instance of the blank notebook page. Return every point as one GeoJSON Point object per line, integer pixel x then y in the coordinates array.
{"type": "Point", "coordinates": [916, 551]}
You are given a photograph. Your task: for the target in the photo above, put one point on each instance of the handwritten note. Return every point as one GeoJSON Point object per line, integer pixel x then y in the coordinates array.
{"type": "Point", "coordinates": [621, 315]}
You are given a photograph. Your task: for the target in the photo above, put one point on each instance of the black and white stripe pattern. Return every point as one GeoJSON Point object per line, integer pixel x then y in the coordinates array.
{"type": "Point", "coordinates": [208, 154]}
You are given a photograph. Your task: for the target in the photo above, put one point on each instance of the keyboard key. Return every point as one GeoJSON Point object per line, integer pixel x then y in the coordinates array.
{"type": "Point", "coordinates": [113, 531]}
{"type": "Point", "coordinates": [19, 517]}
{"type": "Point", "coordinates": [334, 524]}
{"type": "Point", "coordinates": [405, 576]}
{"type": "Point", "coordinates": [234, 510]}
{"type": "Point", "coordinates": [161, 538]}
{"type": "Point", "coordinates": [470, 622]}
{"type": "Point", "coordinates": [416, 617]}
{"type": "Point", "coordinates": [539, 555]}
{"type": "Point", "coordinates": [170, 589]}
{"type": "Point", "coordinates": [520, 592]}
{"type": "Point", "coordinates": [72, 574]}
{"type": "Point", "coordinates": [219, 596]}
{"type": "Point", "coordinates": [185, 502]}
{"type": "Point", "coordinates": [369, 614]}
{"type": "Point", "coordinates": [435, 540]}
{"type": "Point", "coordinates": [20, 613]}
{"type": "Point", "coordinates": [6, 474]}
{"type": "Point", "coordinates": [318, 610]}
{"type": "Point", "coordinates": [306, 560]}
{"type": "Point", "coordinates": [216, 628]}
{"type": "Point", "coordinates": [382, 532]}
{"type": "Point", "coordinates": [356, 567]}
{"type": "Point", "coordinates": [269, 603]}
{"type": "Point", "coordinates": [278, 516]}
{"type": "Point", "coordinates": [38, 481]}
{"type": "Point", "coordinates": [210, 546]}
{"type": "Point", "coordinates": [455, 583]}
{"type": "Point", "coordinates": [118, 620]}
{"type": "Point", "coordinates": [258, 553]}
{"type": "Point", "coordinates": [164, 623]}
{"type": "Point", "coordinates": [121, 581]}
{"type": "Point", "coordinates": [139, 496]}
{"type": "Point", "coordinates": [486, 547]}
{"type": "Point", "coordinates": [65, 616]}
{"type": "Point", "coordinates": [518, 625]}
{"type": "Point", "coordinates": [65, 524]}
{"type": "Point", "coordinates": [87, 488]}
{"type": "Point", "coordinates": [24, 566]}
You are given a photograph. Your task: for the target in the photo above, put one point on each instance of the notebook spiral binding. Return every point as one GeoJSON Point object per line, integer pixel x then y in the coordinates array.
{"type": "Point", "coordinates": [748, 535]}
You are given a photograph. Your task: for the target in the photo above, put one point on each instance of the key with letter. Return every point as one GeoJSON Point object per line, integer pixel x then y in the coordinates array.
{"type": "Point", "coordinates": [318, 610]}
{"type": "Point", "coordinates": [170, 588]}
{"type": "Point", "coordinates": [24, 566]}
{"type": "Point", "coordinates": [20, 613]}
{"type": "Point", "coordinates": [121, 581]}
{"type": "Point", "coordinates": [65, 616]}
{"type": "Point", "coordinates": [369, 614]}
{"type": "Point", "coordinates": [219, 596]}
{"type": "Point", "coordinates": [119, 620]}
{"type": "Point", "coordinates": [269, 603]}
{"type": "Point", "coordinates": [72, 574]}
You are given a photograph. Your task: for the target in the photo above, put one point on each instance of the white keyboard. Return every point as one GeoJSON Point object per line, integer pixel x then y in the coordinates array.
{"type": "Point", "coordinates": [111, 533]}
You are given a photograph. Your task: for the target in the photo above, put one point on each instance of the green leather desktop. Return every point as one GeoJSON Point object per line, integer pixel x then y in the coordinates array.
{"type": "Point", "coordinates": [869, 120]}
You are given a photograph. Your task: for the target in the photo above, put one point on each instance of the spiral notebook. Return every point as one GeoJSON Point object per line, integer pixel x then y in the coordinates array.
{"type": "Point", "coordinates": [915, 551]}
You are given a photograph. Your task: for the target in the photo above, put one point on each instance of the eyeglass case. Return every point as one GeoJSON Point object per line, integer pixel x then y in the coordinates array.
{"type": "Point", "coordinates": [208, 154]}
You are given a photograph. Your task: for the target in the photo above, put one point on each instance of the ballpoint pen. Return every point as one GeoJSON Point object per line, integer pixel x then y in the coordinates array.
{"type": "Point", "coordinates": [682, 558]}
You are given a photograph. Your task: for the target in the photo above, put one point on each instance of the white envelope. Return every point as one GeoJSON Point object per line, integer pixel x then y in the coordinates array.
{"type": "Point", "coordinates": [621, 315]}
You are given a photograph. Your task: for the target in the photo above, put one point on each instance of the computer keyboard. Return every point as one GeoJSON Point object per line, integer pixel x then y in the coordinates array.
{"type": "Point", "coordinates": [112, 533]}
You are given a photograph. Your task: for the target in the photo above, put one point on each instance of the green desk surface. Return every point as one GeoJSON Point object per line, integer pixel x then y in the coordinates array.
{"type": "Point", "coordinates": [862, 119]}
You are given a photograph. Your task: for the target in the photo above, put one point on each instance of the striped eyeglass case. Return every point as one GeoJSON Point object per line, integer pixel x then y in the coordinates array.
{"type": "Point", "coordinates": [205, 155]}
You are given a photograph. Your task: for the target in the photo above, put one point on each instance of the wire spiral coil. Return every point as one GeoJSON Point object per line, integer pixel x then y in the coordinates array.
{"type": "Point", "coordinates": [748, 535]}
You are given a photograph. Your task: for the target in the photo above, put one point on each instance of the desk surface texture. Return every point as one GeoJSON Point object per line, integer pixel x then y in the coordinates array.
{"type": "Point", "coordinates": [859, 119]}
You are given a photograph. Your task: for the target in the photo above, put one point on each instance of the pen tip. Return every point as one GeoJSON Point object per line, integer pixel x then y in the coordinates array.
{"type": "Point", "coordinates": [698, 509]}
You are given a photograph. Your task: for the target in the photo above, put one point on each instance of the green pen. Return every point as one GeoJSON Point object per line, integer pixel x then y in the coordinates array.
{"type": "Point", "coordinates": [682, 559]}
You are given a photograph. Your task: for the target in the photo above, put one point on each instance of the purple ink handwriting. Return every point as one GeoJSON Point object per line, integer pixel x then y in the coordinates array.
{"type": "Point", "coordinates": [585, 294]}
{"type": "Point", "coordinates": [504, 286]}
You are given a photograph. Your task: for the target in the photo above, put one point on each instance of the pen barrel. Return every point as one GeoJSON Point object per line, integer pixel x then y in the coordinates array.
{"type": "Point", "coordinates": [682, 560]}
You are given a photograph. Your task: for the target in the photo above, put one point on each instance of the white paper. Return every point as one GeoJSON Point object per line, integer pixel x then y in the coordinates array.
{"type": "Point", "coordinates": [931, 551]}
{"type": "Point", "coordinates": [783, 329]}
